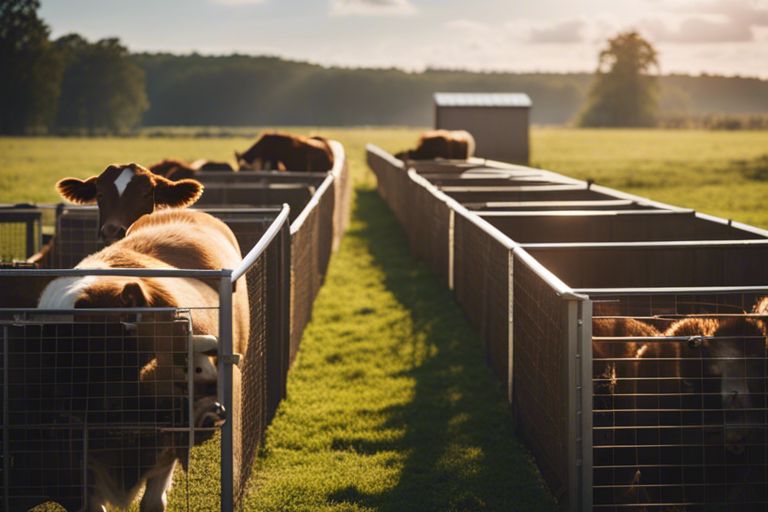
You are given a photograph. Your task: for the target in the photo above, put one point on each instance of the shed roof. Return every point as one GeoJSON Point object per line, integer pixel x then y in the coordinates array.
{"type": "Point", "coordinates": [482, 99]}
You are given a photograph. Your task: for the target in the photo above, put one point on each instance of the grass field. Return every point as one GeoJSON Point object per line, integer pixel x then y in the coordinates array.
{"type": "Point", "coordinates": [721, 173]}
{"type": "Point", "coordinates": [390, 405]}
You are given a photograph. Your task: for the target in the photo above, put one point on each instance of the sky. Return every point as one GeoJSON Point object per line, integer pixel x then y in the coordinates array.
{"type": "Point", "coordinates": [693, 36]}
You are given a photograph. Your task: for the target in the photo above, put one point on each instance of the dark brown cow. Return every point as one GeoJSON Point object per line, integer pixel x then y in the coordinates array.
{"type": "Point", "coordinates": [630, 349]}
{"type": "Point", "coordinates": [176, 170]}
{"type": "Point", "coordinates": [190, 239]}
{"type": "Point", "coordinates": [292, 152]}
{"type": "Point", "coordinates": [715, 361]}
{"type": "Point", "coordinates": [212, 166]}
{"type": "Point", "coordinates": [125, 192]}
{"type": "Point", "coordinates": [170, 166]}
{"type": "Point", "coordinates": [448, 144]}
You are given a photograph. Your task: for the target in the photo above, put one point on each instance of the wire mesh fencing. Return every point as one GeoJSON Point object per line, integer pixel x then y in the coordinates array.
{"type": "Point", "coordinates": [481, 282]}
{"type": "Point", "coordinates": [312, 236]}
{"type": "Point", "coordinates": [95, 404]}
{"type": "Point", "coordinates": [20, 232]}
{"type": "Point", "coordinates": [680, 417]}
{"type": "Point", "coordinates": [429, 230]}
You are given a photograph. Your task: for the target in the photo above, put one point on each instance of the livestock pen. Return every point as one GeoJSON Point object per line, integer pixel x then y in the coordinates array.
{"type": "Point", "coordinates": [535, 261]}
{"type": "Point", "coordinates": [74, 391]}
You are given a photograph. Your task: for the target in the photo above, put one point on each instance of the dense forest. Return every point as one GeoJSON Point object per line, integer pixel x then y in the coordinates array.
{"type": "Point", "coordinates": [246, 90]}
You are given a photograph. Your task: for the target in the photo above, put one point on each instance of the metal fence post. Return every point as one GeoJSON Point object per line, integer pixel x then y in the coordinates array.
{"type": "Point", "coordinates": [510, 324]}
{"type": "Point", "coordinates": [578, 319]}
{"type": "Point", "coordinates": [587, 391]}
{"type": "Point", "coordinates": [225, 391]}
{"type": "Point", "coordinates": [6, 458]}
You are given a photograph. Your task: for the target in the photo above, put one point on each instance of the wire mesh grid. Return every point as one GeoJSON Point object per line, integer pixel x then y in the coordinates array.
{"type": "Point", "coordinates": [77, 232]}
{"type": "Point", "coordinates": [540, 373]}
{"type": "Point", "coordinates": [679, 406]}
{"type": "Point", "coordinates": [93, 404]}
{"type": "Point", "coordinates": [481, 276]}
{"type": "Point", "coordinates": [429, 230]}
{"type": "Point", "coordinates": [311, 246]}
{"type": "Point", "coordinates": [20, 233]}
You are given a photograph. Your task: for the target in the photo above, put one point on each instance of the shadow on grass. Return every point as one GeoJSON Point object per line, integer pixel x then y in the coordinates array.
{"type": "Point", "coordinates": [459, 446]}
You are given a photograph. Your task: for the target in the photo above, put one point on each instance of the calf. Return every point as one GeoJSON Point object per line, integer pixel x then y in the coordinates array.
{"type": "Point", "coordinates": [448, 144]}
{"type": "Point", "coordinates": [292, 152]}
{"type": "Point", "coordinates": [166, 239]}
{"type": "Point", "coordinates": [126, 192]}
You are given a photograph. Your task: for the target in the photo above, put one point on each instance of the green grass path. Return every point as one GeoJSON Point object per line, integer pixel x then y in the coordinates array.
{"type": "Point", "coordinates": [390, 405]}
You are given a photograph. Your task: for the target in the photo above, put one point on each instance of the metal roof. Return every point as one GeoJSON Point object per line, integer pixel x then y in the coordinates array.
{"type": "Point", "coordinates": [482, 99]}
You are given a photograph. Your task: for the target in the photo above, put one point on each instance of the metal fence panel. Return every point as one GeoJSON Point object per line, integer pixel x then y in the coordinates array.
{"type": "Point", "coordinates": [20, 232]}
{"type": "Point", "coordinates": [481, 275]}
{"type": "Point", "coordinates": [429, 229]}
{"type": "Point", "coordinates": [85, 394]}
{"type": "Point", "coordinates": [312, 238]}
{"type": "Point", "coordinates": [653, 265]}
{"type": "Point", "coordinates": [669, 434]}
{"type": "Point", "coordinates": [613, 226]}
{"type": "Point", "coordinates": [540, 374]}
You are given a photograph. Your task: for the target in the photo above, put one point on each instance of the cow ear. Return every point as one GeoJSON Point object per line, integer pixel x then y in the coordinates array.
{"type": "Point", "coordinates": [133, 296]}
{"type": "Point", "coordinates": [177, 194]}
{"type": "Point", "coordinates": [78, 191]}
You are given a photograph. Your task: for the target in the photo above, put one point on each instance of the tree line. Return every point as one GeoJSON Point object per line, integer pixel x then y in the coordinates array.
{"type": "Point", "coordinates": [64, 85]}
{"type": "Point", "coordinates": [71, 85]}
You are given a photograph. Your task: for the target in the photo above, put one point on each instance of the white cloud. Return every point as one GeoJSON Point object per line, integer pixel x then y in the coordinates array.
{"type": "Point", "coordinates": [567, 31]}
{"type": "Point", "coordinates": [372, 8]}
{"type": "Point", "coordinates": [718, 21]}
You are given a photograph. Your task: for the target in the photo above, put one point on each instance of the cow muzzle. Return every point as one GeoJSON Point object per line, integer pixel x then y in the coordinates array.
{"type": "Point", "coordinates": [111, 233]}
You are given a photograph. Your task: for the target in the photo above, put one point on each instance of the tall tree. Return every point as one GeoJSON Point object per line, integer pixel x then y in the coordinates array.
{"type": "Point", "coordinates": [31, 68]}
{"type": "Point", "coordinates": [625, 88]}
{"type": "Point", "coordinates": [102, 90]}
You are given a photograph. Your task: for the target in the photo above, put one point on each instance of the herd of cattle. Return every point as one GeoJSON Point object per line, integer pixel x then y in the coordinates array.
{"type": "Point", "coordinates": [145, 222]}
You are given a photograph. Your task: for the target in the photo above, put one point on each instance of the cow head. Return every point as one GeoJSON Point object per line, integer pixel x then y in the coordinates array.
{"type": "Point", "coordinates": [126, 192]}
{"type": "Point", "coordinates": [731, 353]}
{"type": "Point", "coordinates": [167, 366]}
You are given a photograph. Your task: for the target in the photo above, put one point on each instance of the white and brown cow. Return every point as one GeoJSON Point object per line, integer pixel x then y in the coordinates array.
{"type": "Point", "coordinates": [165, 239]}
{"type": "Point", "coordinates": [125, 192]}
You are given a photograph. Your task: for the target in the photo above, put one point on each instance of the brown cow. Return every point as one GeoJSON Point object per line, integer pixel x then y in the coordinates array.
{"type": "Point", "coordinates": [170, 166]}
{"type": "Point", "coordinates": [448, 144]}
{"type": "Point", "coordinates": [212, 166]}
{"type": "Point", "coordinates": [176, 170]}
{"type": "Point", "coordinates": [126, 192]}
{"type": "Point", "coordinates": [715, 361]}
{"type": "Point", "coordinates": [166, 239]}
{"type": "Point", "coordinates": [292, 152]}
{"type": "Point", "coordinates": [628, 328]}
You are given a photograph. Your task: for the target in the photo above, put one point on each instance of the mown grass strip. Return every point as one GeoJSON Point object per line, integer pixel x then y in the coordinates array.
{"type": "Point", "coordinates": [390, 404]}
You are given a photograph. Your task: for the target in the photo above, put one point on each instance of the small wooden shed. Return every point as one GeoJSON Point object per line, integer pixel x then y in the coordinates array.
{"type": "Point", "coordinates": [498, 121]}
